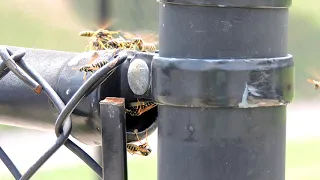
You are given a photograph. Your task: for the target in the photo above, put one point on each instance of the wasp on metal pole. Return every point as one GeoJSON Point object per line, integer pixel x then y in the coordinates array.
{"type": "Point", "coordinates": [223, 78]}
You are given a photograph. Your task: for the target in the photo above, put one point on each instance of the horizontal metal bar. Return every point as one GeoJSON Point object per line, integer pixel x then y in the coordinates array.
{"type": "Point", "coordinates": [19, 106]}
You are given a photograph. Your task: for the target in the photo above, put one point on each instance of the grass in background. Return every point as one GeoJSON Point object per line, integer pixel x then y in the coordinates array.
{"type": "Point", "coordinates": [22, 29]}
{"type": "Point", "coordinates": [303, 43]}
{"type": "Point", "coordinates": [303, 160]}
{"type": "Point", "coordinates": [36, 30]}
{"type": "Point", "coordinates": [5, 127]}
{"type": "Point", "coordinates": [302, 163]}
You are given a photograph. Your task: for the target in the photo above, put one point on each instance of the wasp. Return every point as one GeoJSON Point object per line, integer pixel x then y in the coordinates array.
{"type": "Point", "coordinates": [91, 67]}
{"type": "Point", "coordinates": [315, 82]}
{"type": "Point", "coordinates": [100, 33]}
{"type": "Point", "coordinates": [139, 44]}
{"type": "Point", "coordinates": [140, 107]}
{"type": "Point", "coordinates": [143, 46]}
{"type": "Point", "coordinates": [142, 149]}
{"type": "Point", "coordinates": [96, 44]}
{"type": "Point", "coordinates": [98, 38]}
{"type": "Point", "coordinates": [119, 43]}
{"type": "Point", "coordinates": [88, 68]}
{"type": "Point", "coordinates": [116, 44]}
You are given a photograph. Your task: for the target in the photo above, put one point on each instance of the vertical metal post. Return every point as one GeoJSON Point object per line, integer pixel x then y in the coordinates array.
{"type": "Point", "coordinates": [223, 78]}
{"type": "Point", "coordinates": [113, 128]}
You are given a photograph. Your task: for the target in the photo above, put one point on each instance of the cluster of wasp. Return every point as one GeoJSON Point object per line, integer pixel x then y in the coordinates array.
{"type": "Point", "coordinates": [105, 40]}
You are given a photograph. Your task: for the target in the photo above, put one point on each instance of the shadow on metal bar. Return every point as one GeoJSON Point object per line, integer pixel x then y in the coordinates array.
{"type": "Point", "coordinates": [63, 123]}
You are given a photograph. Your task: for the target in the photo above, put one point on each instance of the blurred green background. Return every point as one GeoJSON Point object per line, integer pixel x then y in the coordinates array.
{"type": "Point", "coordinates": [54, 24]}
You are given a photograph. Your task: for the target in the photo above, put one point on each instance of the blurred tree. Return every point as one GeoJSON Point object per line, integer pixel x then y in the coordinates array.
{"type": "Point", "coordinates": [126, 15]}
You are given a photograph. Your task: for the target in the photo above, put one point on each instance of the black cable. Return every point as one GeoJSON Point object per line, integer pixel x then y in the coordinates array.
{"type": "Point", "coordinates": [7, 161]}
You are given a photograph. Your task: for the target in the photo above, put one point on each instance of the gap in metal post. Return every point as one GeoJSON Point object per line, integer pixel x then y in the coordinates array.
{"type": "Point", "coordinates": [113, 129]}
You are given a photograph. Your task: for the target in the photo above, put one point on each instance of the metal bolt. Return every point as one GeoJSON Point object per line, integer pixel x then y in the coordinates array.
{"type": "Point", "coordinates": [138, 76]}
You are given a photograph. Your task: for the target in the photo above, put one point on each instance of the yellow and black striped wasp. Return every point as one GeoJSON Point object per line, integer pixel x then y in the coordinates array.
{"type": "Point", "coordinates": [91, 67]}
{"type": "Point", "coordinates": [98, 38]}
{"type": "Point", "coordinates": [143, 149]}
{"type": "Point", "coordinates": [139, 44]}
{"type": "Point", "coordinates": [140, 107]}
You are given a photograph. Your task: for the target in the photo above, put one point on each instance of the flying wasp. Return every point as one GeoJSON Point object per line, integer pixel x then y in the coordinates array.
{"type": "Point", "coordinates": [315, 82]}
{"type": "Point", "coordinates": [140, 107]}
{"type": "Point", "coordinates": [142, 149]}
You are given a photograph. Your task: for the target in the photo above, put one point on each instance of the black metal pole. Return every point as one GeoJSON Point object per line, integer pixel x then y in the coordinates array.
{"type": "Point", "coordinates": [113, 124]}
{"type": "Point", "coordinates": [223, 77]}
{"type": "Point", "coordinates": [20, 106]}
